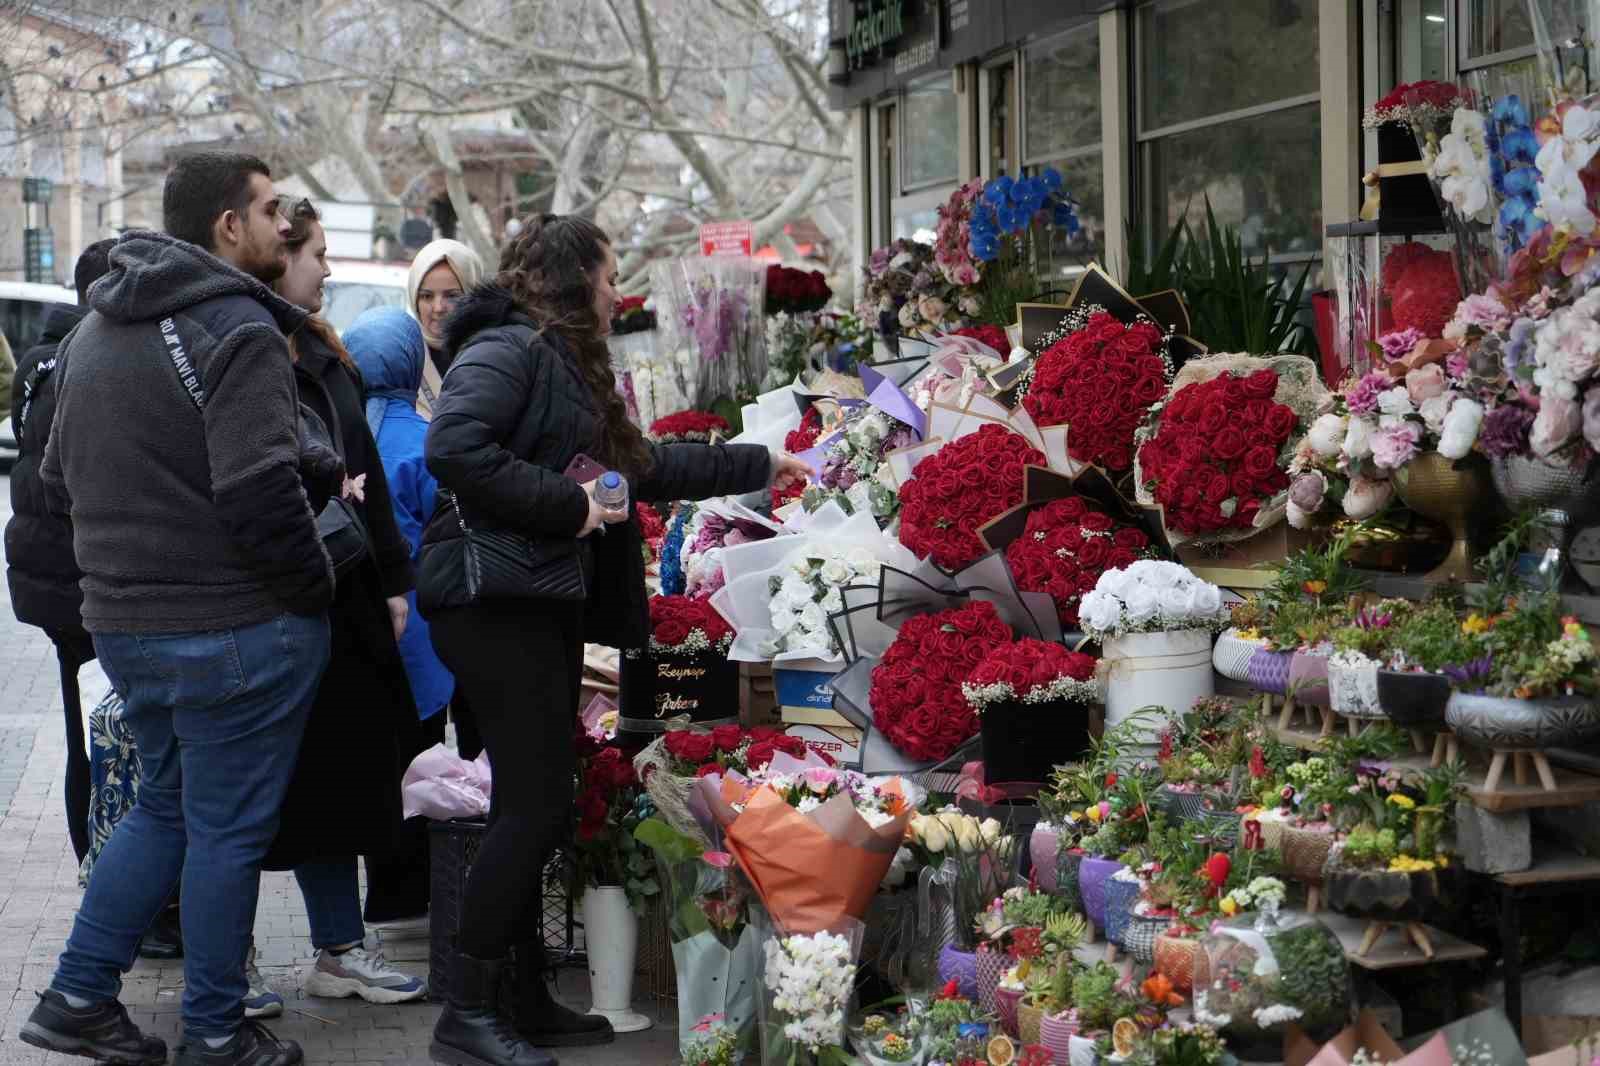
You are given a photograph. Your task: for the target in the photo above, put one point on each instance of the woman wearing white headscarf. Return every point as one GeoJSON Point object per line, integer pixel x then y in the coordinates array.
{"type": "Point", "coordinates": [442, 272]}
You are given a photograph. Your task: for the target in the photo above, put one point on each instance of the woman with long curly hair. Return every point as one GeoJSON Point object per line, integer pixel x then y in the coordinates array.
{"type": "Point", "coordinates": [529, 390]}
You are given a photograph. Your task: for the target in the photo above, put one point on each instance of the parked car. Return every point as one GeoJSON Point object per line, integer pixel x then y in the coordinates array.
{"type": "Point", "coordinates": [22, 308]}
{"type": "Point", "coordinates": [357, 285]}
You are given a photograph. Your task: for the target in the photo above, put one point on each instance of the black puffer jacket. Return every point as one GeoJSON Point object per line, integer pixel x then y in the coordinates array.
{"type": "Point", "coordinates": [40, 567]}
{"type": "Point", "coordinates": [513, 415]}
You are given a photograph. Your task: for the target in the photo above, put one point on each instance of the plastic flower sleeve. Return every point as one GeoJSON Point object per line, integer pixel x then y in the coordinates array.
{"type": "Point", "coordinates": [712, 307]}
{"type": "Point", "coordinates": [808, 980]}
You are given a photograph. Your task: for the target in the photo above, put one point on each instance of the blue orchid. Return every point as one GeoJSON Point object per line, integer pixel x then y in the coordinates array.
{"type": "Point", "coordinates": [1519, 145]}
{"type": "Point", "coordinates": [1522, 182]}
{"type": "Point", "coordinates": [1509, 110]}
{"type": "Point", "coordinates": [1517, 220]}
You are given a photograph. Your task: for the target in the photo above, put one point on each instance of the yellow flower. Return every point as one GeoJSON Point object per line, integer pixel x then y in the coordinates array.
{"type": "Point", "coordinates": [1315, 588]}
{"type": "Point", "coordinates": [1572, 627]}
{"type": "Point", "coordinates": [1404, 802]}
{"type": "Point", "coordinates": [1249, 634]}
{"type": "Point", "coordinates": [1094, 814]}
{"type": "Point", "coordinates": [1228, 906]}
{"type": "Point", "coordinates": [1074, 816]}
{"type": "Point", "coordinates": [1409, 864]}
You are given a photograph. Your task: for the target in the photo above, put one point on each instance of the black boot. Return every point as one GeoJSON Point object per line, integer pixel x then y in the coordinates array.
{"type": "Point", "coordinates": [252, 1045]}
{"type": "Point", "coordinates": [164, 938]}
{"type": "Point", "coordinates": [541, 1021]}
{"type": "Point", "coordinates": [471, 1031]}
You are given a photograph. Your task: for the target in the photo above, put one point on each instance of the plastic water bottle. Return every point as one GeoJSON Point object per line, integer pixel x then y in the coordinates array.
{"type": "Point", "coordinates": [611, 491]}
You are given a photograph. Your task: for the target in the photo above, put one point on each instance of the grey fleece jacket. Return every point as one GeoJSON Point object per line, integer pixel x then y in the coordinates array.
{"type": "Point", "coordinates": [183, 520]}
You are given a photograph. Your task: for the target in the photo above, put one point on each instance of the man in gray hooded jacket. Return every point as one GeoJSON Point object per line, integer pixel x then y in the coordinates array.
{"type": "Point", "coordinates": [175, 451]}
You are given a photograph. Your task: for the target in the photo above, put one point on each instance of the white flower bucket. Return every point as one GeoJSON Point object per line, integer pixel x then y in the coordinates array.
{"type": "Point", "coordinates": [611, 937]}
{"type": "Point", "coordinates": [1170, 670]}
{"type": "Point", "coordinates": [1082, 1051]}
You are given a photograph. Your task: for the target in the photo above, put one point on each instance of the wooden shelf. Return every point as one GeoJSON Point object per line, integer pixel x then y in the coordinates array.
{"type": "Point", "coordinates": [1394, 950]}
{"type": "Point", "coordinates": [1553, 866]}
{"type": "Point", "coordinates": [1572, 789]}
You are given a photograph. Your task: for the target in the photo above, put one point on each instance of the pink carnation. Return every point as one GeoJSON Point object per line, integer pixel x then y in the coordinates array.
{"type": "Point", "coordinates": [1399, 343]}
{"type": "Point", "coordinates": [1362, 397]}
{"type": "Point", "coordinates": [1395, 446]}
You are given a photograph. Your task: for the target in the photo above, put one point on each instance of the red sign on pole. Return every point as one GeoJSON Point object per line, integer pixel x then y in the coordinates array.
{"type": "Point", "coordinates": [727, 238]}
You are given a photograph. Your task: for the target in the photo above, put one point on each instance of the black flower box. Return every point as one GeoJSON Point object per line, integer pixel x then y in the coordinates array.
{"type": "Point", "coordinates": [659, 690]}
{"type": "Point", "coordinates": [1024, 742]}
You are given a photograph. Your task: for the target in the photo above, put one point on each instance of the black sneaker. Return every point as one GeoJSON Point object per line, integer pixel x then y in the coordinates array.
{"type": "Point", "coordinates": [164, 938]}
{"type": "Point", "coordinates": [252, 1045]}
{"type": "Point", "coordinates": [100, 1031]}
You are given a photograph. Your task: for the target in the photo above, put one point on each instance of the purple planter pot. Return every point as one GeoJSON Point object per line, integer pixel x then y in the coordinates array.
{"type": "Point", "coordinates": [1043, 844]}
{"type": "Point", "coordinates": [1092, 877]}
{"type": "Point", "coordinates": [1308, 679]}
{"type": "Point", "coordinates": [961, 967]}
{"type": "Point", "coordinates": [1269, 671]}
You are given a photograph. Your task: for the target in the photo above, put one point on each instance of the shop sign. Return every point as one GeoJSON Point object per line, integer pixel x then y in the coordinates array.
{"type": "Point", "coordinates": [875, 24]}
{"type": "Point", "coordinates": [727, 238]}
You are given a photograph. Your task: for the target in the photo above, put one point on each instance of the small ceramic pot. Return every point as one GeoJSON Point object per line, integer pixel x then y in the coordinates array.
{"type": "Point", "coordinates": [1385, 895]}
{"type": "Point", "coordinates": [1413, 700]}
{"type": "Point", "coordinates": [992, 966]}
{"type": "Point", "coordinates": [1056, 1032]}
{"type": "Point", "coordinates": [1006, 1002]}
{"type": "Point", "coordinates": [1230, 656]}
{"type": "Point", "coordinates": [1081, 1051]}
{"type": "Point", "coordinates": [1030, 1020]}
{"type": "Point", "coordinates": [1308, 678]}
{"type": "Point", "coordinates": [1182, 961]}
{"type": "Point", "coordinates": [1269, 671]}
{"type": "Point", "coordinates": [1121, 897]}
{"type": "Point", "coordinates": [961, 967]}
{"type": "Point", "coordinates": [1353, 688]}
{"type": "Point", "coordinates": [1181, 806]}
{"type": "Point", "coordinates": [1225, 824]}
{"type": "Point", "coordinates": [1093, 873]}
{"type": "Point", "coordinates": [1522, 725]}
{"type": "Point", "coordinates": [1305, 851]}
{"type": "Point", "coordinates": [1043, 844]}
{"type": "Point", "coordinates": [1140, 936]}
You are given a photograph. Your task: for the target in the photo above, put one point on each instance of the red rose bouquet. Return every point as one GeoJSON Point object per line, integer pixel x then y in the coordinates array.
{"type": "Point", "coordinates": [1032, 671]}
{"type": "Point", "coordinates": [959, 488]}
{"type": "Point", "coordinates": [692, 753]}
{"type": "Point", "coordinates": [652, 530]}
{"type": "Point", "coordinates": [1100, 379]}
{"type": "Point", "coordinates": [687, 427]}
{"type": "Point", "coordinates": [993, 336]}
{"type": "Point", "coordinates": [631, 316]}
{"type": "Point", "coordinates": [916, 696]}
{"type": "Point", "coordinates": [799, 439]}
{"type": "Point", "coordinates": [682, 627]}
{"type": "Point", "coordinates": [607, 814]}
{"type": "Point", "coordinates": [796, 291]}
{"type": "Point", "coordinates": [1217, 452]}
{"type": "Point", "coordinates": [1066, 546]}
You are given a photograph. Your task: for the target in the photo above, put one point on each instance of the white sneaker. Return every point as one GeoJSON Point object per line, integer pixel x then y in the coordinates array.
{"type": "Point", "coordinates": [359, 972]}
{"type": "Point", "coordinates": [417, 928]}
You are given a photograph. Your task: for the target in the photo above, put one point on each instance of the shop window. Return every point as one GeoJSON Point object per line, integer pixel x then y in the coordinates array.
{"type": "Point", "coordinates": [1494, 27]}
{"type": "Point", "coordinates": [1061, 129]}
{"type": "Point", "coordinates": [1000, 119]}
{"type": "Point", "coordinates": [1230, 112]}
{"type": "Point", "coordinates": [929, 134]}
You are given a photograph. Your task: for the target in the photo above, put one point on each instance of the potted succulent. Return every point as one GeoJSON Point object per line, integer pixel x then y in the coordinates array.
{"type": "Point", "coordinates": [1394, 865]}
{"type": "Point", "coordinates": [1533, 687]}
{"type": "Point", "coordinates": [971, 862]}
{"type": "Point", "coordinates": [1099, 1005]}
{"type": "Point", "coordinates": [1200, 758]}
{"type": "Point", "coordinates": [1049, 979]}
{"type": "Point", "coordinates": [1361, 642]}
{"type": "Point", "coordinates": [1300, 826]}
{"type": "Point", "coordinates": [1009, 930]}
{"type": "Point", "coordinates": [1412, 688]}
{"type": "Point", "coordinates": [1237, 644]}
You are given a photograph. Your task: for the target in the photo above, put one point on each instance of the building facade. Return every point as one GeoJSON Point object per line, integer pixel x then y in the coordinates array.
{"type": "Point", "coordinates": [1148, 109]}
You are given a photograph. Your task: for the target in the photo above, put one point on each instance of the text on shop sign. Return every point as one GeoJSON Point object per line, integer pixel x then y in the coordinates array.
{"type": "Point", "coordinates": [883, 22]}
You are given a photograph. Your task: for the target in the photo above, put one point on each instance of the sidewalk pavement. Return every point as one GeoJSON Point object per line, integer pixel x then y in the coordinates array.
{"type": "Point", "coordinates": [39, 894]}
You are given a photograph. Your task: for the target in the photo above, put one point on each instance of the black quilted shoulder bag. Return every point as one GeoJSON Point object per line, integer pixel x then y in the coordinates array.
{"type": "Point", "coordinates": [503, 565]}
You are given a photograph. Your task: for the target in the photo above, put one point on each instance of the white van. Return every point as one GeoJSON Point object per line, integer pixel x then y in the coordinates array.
{"type": "Point", "coordinates": [357, 285]}
{"type": "Point", "coordinates": [22, 310]}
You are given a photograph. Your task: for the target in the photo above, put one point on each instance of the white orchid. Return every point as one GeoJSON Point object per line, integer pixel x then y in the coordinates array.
{"type": "Point", "coordinates": [1462, 166]}
{"type": "Point", "coordinates": [1563, 201]}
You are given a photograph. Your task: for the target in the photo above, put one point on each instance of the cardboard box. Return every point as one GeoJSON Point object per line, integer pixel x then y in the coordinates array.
{"type": "Point", "coordinates": [804, 689]}
{"type": "Point", "coordinates": [840, 743]}
{"type": "Point", "coordinates": [828, 718]}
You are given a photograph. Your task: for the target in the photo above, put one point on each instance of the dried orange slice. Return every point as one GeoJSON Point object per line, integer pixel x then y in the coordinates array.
{"type": "Point", "coordinates": [1002, 1052]}
{"type": "Point", "coordinates": [1124, 1036]}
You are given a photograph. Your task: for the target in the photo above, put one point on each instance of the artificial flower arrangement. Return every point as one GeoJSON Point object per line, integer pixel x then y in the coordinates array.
{"type": "Point", "coordinates": [632, 315]}
{"type": "Point", "coordinates": [1214, 454]}
{"type": "Point", "coordinates": [1099, 377]}
{"type": "Point", "coordinates": [960, 487]}
{"type": "Point", "coordinates": [796, 292]}
{"type": "Point", "coordinates": [688, 427]}
{"type": "Point", "coordinates": [905, 292]}
{"type": "Point", "coordinates": [1007, 233]}
{"type": "Point", "coordinates": [1150, 596]}
{"type": "Point", "coordinates": [916, 694]}
{"type": "Point", "coordinates": [610, 805]}
{"type": "Point", "coordinates": [1422, 103]}
{"type": "Point", "coordinates": [1066, 546]}
{"type": "Point", "coordinates": [853, 470]}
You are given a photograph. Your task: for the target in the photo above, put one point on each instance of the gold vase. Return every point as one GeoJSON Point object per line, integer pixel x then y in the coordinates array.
{"type": "Point", "coordinates": [1456, 494]}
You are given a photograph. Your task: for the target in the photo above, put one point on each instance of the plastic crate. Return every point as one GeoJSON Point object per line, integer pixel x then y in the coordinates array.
{"type": "Point", "coordinates": [452, 848]}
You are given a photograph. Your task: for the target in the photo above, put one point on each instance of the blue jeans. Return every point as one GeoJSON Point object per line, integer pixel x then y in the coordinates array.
{"type": "Point", "coordinates": [332, 891]}
{"type": "Point", "coordinates": [217, 718]}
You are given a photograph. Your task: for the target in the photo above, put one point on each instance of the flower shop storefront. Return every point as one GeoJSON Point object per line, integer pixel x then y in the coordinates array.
{"type": "Point", "coordinates": [1184, 658]}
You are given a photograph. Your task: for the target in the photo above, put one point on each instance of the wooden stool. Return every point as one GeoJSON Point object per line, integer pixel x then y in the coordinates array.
{"type": "Point", "coordinates": [1520, 760]}
{"type": "Point", "coordinates": [1445, 749]}
{"type": "Point", "coordinates": [1414, 930]}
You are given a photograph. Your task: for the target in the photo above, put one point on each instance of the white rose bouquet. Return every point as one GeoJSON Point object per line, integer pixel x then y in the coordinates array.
{"type": "Point", "coordinates": [1151, 596]}
{"type": "Point", "coordinates": [808, 591]}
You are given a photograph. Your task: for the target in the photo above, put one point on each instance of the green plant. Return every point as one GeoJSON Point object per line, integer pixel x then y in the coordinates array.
{"type": "Point", "coordinates": [1094, 994]}
{"type": "Point", "coordinates": [1314, 973]}
{"type": "Point", "coordinates": [1498, 566]}
{"type": "Point", "coordinates": [1367, 847]}
{"type": "Point", "coordinates": [1030, 908]}
{"type": "Point", "coordinates": [1433, 638]}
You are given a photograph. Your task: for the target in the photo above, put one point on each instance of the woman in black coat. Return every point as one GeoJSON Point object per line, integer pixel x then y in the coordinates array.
{"type": "Point", "coordinates": [344, 800]}
{"type": "Point", "coordinates": [529, 390]}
